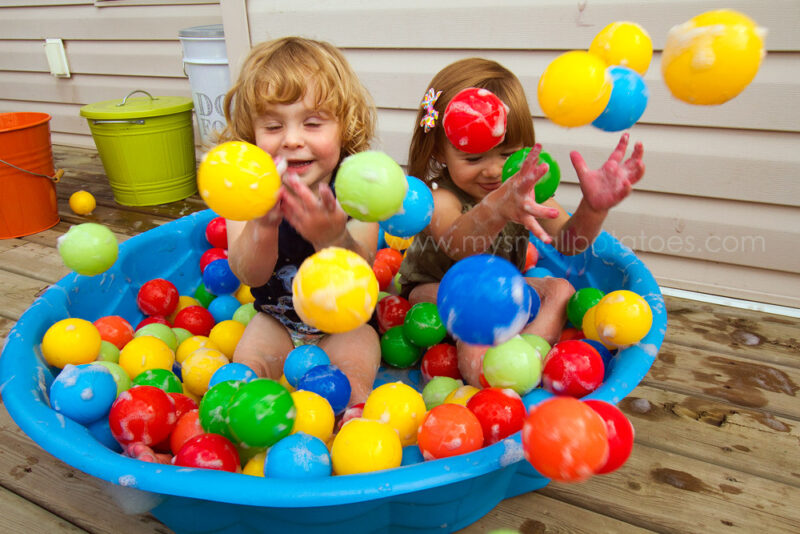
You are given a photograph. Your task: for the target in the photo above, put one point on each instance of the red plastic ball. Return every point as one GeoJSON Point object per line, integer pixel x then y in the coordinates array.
{"type": "Point", "coordinates": [383, 273]}
{"type": "Point", "coordinates": [391, 312]}
{"type": "Point", "coordinates": [448, 430]}
{"type": "Point", "coordinates": [483, 382]}
{"type": "Point", "coordinates": [143, 414]}
{"type": "Point", "coordinates": [157, 297]}
{"type": "Point", "coordinates": [569, 334]}
{"type": "Point", "coordinates": [195, 319]}
{"type": "Point", "coordinates": [353, 412]}
{"type": "Point", "coordinates": [212, 254]}
{"type": "Point", "coordinates": [620, 435]}
{"type": "Point", "coordinates": [217, 233]}
{"type": "Point", "coordinates": [115, 330]}
{"type": "Point", "coordinates": [564, 439]}
{"type": "Point", "coordinates": [572, 368]}
{"type": "Point", "coordinates": [187, 427]}
{"type": "Point", "coordinates": [160, 319]}
{"type": "Point", "coordinates": [391, 257]}
{"type": "Point", "coordinates": [475, 120]}
{"type": "Point", "coordinates": [440, 360]}
{"type": "Point", "coordinates": [208, 451]}
{"type": "Point", "coordinates": [531, 257]}
{"type": "Point", "coordinates": [183, 404]}
{"type": "Point", "coordinates": [500, 412]}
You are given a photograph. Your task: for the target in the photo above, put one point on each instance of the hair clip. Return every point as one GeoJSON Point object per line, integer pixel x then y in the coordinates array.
{"type": "Point", "coordinates": [428, 101]}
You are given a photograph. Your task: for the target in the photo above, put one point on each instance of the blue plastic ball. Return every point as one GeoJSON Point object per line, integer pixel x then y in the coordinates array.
{"type": "Point", "coordinates": [483, 300]}
{"type": "Point", "coordinates": [536, 302]}
{"type": "Point", "coordinates": [232, 371]}
{"type": "Point", "coordinates": [381, 238]}
{"type": "Point", "coordinates": [627, 103]}
{"type": "Point", "coordinates": [298, 456]}
{"type": "Point", "coordinates": [604, 352]}
{"type": "Point", "coordinates": [101, 431]}
{"type": "Point", "coordinates": [300, 360]}
{"type": "Point", "coordinates": [538, 272]}
{"type": "Point", "coordinates": [329, 382]}
{"type": "Point", "coordinates": [219, 279]}
{"type": "Point", "coordinates": [416, 212]}
{"type": "Point", "coordinates": [223, 307]}
{"type": "Point", "coordinates": [84, 393]}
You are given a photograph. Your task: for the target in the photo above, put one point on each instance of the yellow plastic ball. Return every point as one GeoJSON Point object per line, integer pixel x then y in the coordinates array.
{"type": "Point", "coordinates": [398, 405]}
{"type": "Point", "coordinates": [712, 57]}
{"type": "Point", "coordinates": [192, 344]}
{"type": "Point", "coordinates": [198, 368]}
{"type": "Point", "coordinates": [255, 465]}
{"type": "Point", "coordinates": [285, 383]}
{"type": "Point", "coordinates": [398, 243]}
{"type": "Point", "coordinates": [238, 181]}
{"type": "Point", "coordinates": [74, 341]}
{"type": "Point", "coordinates": [144, 353]}
{"type": "Point", "coordinates": [184, 301]}
{"type": "Point", "coordinates": [314, 415]}
{"type": "Point", "coordinates": [82, 202]}
{"type": "Point", "coordinates": [622, 317]}
{"type": "Point", "coordinates": [574, 88]}
{"type": "Point", "coordinates": [243, 294]}
{"type": "Point", "coordinates": [363, 446]}
{"type": "Point", "coordinates": [335, 290]}
{"type": "Point", "coordinates": [226, 335]}
{"type": "Point", "coordinates": [195, 398]}
{"type": "Point", "coordinates": [624, 43]}
{"type": "Point", "coordinates": [461, 395]}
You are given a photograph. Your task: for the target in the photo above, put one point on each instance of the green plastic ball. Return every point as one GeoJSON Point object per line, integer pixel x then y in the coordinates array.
{"type": "Point", "coordinates": [120, 375]}
{"type": "Point", "coordinates": [108, 352]}
{"type": "Point", "coordinates": [244, 313]}
{"type": "Point", "coordinates": [181, 334]}
{"type": "Point", "coordinates": [203, 296]}
{"type": "Point", "coordinates": [423, 326]}
{"type": "Point", "coordinates": [160, 331]}
{"type": "Point", "coordinates": [214, 408]}
{"type": "Point", "coordinates": [163, 379]}
{"type": "Point", "coordinates": [370, 186]}
{"type": "Point", "coordinates": [88, 248]}
{"type": "Point", "coordinates": [547, 184]}
{"type": "Point", "coordinates": [435, 391]}
{"type": "Point", "coordinates": [397, 350]}
{"type": "Point", "coordinates": [580, 302]}
{"type": "Point", "coordinates": [261, 413]}
{"type": "Point", "coordinates": [537, 342]}
{"type": "Point", "coordinates": [514, 364]}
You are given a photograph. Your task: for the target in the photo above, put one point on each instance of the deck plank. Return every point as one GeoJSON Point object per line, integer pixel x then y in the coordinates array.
{"type": "Point", "coordinates": [20, 515]}
{"type": "Point", "coordinates": [32, 260]}
{"type": "Point", "coordinates": [17, 292]}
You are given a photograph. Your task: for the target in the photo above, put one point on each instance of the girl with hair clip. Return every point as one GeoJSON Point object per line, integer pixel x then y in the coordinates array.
{"type": "Point", "coordinates": [476, 213]}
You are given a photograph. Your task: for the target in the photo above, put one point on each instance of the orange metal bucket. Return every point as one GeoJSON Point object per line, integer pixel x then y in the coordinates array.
{"type": "Point", "coordinates": [27, 202]}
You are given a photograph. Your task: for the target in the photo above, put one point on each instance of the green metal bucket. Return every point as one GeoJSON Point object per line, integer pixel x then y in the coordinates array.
{"type": "Point", "coordinates": [146, 145]}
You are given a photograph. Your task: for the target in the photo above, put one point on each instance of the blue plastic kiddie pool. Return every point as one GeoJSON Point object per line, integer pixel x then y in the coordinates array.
{"type": "Point", "coordinates": [441, 495]}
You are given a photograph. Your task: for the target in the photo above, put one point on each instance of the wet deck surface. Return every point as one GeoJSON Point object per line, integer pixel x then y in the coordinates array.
{"type": "Point", "coordinates": [717, 440]}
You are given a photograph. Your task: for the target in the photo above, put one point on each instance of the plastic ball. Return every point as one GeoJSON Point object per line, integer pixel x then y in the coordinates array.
{"type": "Point", "coordinates": [391, 311]}
{"type": "Point", "coordinates": [143, 414]}
{"type": "Point", "coordinates": [400, 406]}
{"type": "Point", "coordinates": [383, 274]}
{"type": "Point", "coordinates": [300, 360]}
{"type": "Point", "coordinates": [483, 300]}
{"type": "Point", "coordinates": [218, 278]}
{"type": "Point", "coordinates": [580, 302]}
{"type": "Point", "coordinates": [438, 389]}
{"type": "Point", "coordinates": [160, 331]}
{"type": "Point", "coordinates": [108, 352]}
{"type": "Point", "coordinates": [84, 393]}
{"type": "Point", "coordinates": [153, 319]}
{"type": "Point", "coordinates": [574, 88]}
{"type": "Point", "coordinates": [604, 352]}
{"type": "Point", "coordinates": [499, 411]}
{"type": "Point", "coordinates": [363, 446]}
{"type": "Point", "coordinates": [334, 290]}
{"type": "Point", "coordinates": [114, 329]}
{"type": "Point", "coordinates": [475, 120]}
{"type": "Point", "coordinates": [214, 407]}
{"type": "Point", "coordinates": [238, 181]}
{"type": "Point", "coordinates": [515, 364]}
{"type": "Point", "coordinates": [423, 326]}
{"type": "Point", "coordinates": [536, 303]}
{"type": "Point", "coordinates": [564, 439]}
{"type": "Point", "coordinates": [390, 257]}
{"type": "Point", "coordinates": [82, 202]}
{"type": "Point", "coordinates": [232, 371]}
{"type": "Point", "coordinates": [298, 456]}
{"type": "Point", "coordinates": [73, 340]}
{"type": "Point", "coordinates": [192, 344]}
{"type": "Point", "coordinates": [160, 378]}
{"type": "Point", "coordinates": [544, 188]}
{"type": "Point", "coordinates": [198, 368]}
{"type": "Point", "coordinates": [143, 353]}
{"type": "Point", "coordinates": [223, 307]}
{"type": "Point", "coordinates": [210, 255]}
{"type": "Point", "coordinates": [101, 431]}
{"type": "Point", "coordinates": [181, 335]}
{"type": "Point", "coordinates": [531, 255]}
{"type": "Point", "coordinates": [184, 301]}
{"type": "Point", "coordinates": [208, 451]}
{"type": "Point", "coordinates": [329, 382]}
{"type": "Point", "coordinates": [245, 313]}
{"type": "Point", "coordinates": [187, 427]}
{"type": "Point", "coordinates": [353, 412]}
{"type": "Point", "coordinates": [260, 413]}
{"type": "Point", "coordinates": [121, 378]}
{"type": "Point", "coordinates": [195, 319]}
{"type": "Point", "coordinates": [397, 350]}
{"type": "Point", "coordinates": [627, 103]}
{"type": "Point", "coordinates": [244, 295]}
{"type": "Point", "coordinates": [203, 295]}
{"type": "Point", "coordinates": [255, 465]}
{"type": "Point", "coordinates": [712, 57]}
{"type": "Point", "coordinates": [217, 233]}
{"type": "Point", "coordinates": [572, 368]}
{"type": "Point", "coordinates": [622, 318]}
{"type": "Point", "coordinates": [397, 243]}
{"type": "Point", "coordinates": [620, 435]}
{"type": "Point", "coordinates": [314, 416]}
{"type": "Point", "coordinates": [539, 344]}
{"type": "Point", "coordinates": [461, 395]}
{"type": "Point", "coordinates": [624, 43]}
{"type": "Point", "coordinates": [538, 272]}
{"type": "Point", "coordinates": [415, 213]}
{"type": "Point", "coordinates": [157, 297]}
{"type": "Point", "coordinates": [448, 430]}
{"type": "Point", "coordinates": [440, 360]}
{"type": "Point", "coordinates": [88, 248]}
{"type": "Point", "coordinates": [370, 186]}
{"type": "Point", "coordinates": [226, 335]}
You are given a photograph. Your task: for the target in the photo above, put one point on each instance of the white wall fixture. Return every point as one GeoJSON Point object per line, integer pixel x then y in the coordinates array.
{"type": "Point", "coordinates": [56, 58]}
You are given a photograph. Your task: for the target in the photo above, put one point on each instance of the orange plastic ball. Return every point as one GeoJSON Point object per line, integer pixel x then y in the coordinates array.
{"type": "Point", "coordinates": [448, 430]}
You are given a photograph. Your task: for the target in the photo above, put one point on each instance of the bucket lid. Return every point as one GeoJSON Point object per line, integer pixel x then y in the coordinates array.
{"type": "Point", "coordinates": [131, 108]}
{"type": "Point", "coordinates": [212, 30]}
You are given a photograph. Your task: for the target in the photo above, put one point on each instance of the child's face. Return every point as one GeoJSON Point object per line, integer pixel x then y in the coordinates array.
{"type": "Point", "coordinates": [307, 138]}
{"type": "Point", "coordinates": [477, 174]}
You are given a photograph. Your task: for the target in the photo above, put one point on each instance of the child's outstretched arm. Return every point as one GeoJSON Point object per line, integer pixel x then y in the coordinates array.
{"type": "Point", "coordinates": [602, 189]}
{"type": "Point", "coordinates": [253, 247]}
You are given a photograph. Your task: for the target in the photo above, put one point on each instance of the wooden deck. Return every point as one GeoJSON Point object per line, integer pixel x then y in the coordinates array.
{"type": "Point", "coordinates": [717, 438]}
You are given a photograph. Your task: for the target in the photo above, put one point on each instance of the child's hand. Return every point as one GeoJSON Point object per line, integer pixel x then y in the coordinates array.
{"type": "Point", "coordinates": [320, 220]}
{"type": "Point", "coordinates": [610, 184]}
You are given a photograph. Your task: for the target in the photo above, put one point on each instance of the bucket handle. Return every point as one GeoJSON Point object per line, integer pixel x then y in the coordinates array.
{"type": "Point", "coordinates": [56, 177]}
{"type": "Point", "coordinates": [133, 93]}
